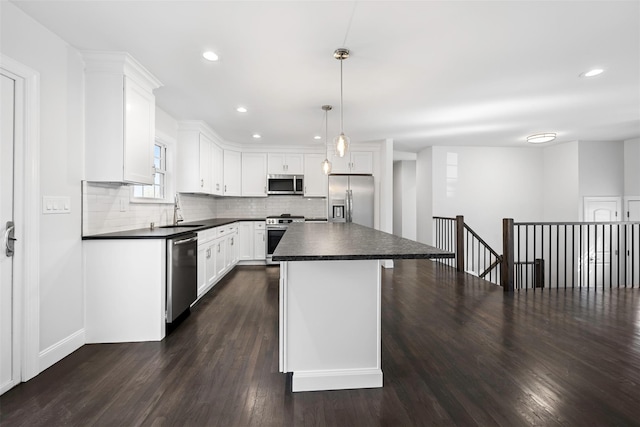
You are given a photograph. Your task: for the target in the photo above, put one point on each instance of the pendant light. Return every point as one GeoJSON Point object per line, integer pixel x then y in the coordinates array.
{"type": "Point", "coordinates": [326, 164]}
{"type": "Point", "coordinates": [341, 141]}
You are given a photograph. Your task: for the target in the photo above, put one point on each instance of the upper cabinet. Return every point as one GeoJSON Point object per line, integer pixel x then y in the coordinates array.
{"type": "Point", "coordinates": [199, 160]}
{"type": "Point", "coordinates": [120, 118]}
{"type": "Point", "coordinates": [232, 173]}
{"type": "Point", "coordinates": [285, 163]}
{"type": "Point", "coordinates": [354, 162]}
{"type": "Point", "coordinates": [315, 181]}
{"type": "Point", "coordinates": [254, 174]}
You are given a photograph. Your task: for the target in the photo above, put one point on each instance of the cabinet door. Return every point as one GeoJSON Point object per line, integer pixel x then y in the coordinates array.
{"type": "Point", "coordinates": [362, 162]}
{"type": "Point", "coordinates": [217, 165]}
{"type": "Point", "coordinates": [294, 164]}
{"type": "Point", "coordinates": [315, 181]}
{"type": "Point", "coordinates": [205, 164]}
{"type": "Point", "coordinates": [245, 241]}
{"type": "Point", "coordinates": [232, 173]}
{"type": "Point", "coordinates": [210, 264]}
{"type": "Point", "coordinates": [231, 255]}
{"type": "Point", "coordinates": [276, 163]}
{"type": "Point", "coordinates": [340, 164]}
{"type": "Point", "coordinates": [254, 174]}
{"type": "Point", "coordinates": [202, 269]}
{"type": "Point", "coordinates": [139, 134]}
{"type": "Point", "coordinates": [219, 251]}
{"type": "Point", "coordinates": [259, 244]}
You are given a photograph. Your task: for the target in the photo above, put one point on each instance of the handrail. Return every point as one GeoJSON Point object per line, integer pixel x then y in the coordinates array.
{"type": "Point", "coordinates": [481, 240]}
{"type": "Point", "coordinates": [473, 253]}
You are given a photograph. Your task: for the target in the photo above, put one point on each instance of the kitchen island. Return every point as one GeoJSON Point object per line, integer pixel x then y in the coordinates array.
{"type": "Point", "coordinates": [330, 302]}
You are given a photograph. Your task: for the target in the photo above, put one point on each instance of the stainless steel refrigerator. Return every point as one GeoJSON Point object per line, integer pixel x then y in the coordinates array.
{"type": "Point", "coordinates": [351, 199]}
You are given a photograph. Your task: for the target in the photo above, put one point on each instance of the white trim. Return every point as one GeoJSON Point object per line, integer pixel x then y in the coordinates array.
{"type": "Point", "coordinates": [58, 351]}
{"type": "Point", "coordinates": [26, 209]}
{"type": "Point", "coordinates": [336, 379]}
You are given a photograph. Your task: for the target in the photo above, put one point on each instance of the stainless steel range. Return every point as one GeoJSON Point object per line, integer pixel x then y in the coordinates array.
{"type": "Point", "coordinates": [276, 226]}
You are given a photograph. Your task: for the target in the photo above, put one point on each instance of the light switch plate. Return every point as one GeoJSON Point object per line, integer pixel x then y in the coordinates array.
{"type": "Point", "coordinates": [56, 205]}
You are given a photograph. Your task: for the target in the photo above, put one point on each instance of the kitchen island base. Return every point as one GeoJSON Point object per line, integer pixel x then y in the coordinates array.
{"type": "Point", "coordinates": [330, 324]}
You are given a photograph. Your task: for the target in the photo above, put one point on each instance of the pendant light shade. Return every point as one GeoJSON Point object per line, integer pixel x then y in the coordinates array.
{"type": "Point", "coordinates": [326, 164]}
{"type": "Point", "coordinates": [341, 141]}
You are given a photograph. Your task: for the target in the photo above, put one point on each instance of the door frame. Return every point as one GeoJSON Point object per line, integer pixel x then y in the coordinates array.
{"type": "Point", "coordinates": [26, 213]}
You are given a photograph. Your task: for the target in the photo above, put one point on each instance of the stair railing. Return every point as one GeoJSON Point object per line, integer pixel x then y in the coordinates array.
{"type": "Point", "coordinates": [473, 254]}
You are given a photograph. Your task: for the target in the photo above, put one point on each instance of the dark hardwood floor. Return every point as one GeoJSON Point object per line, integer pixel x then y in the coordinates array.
{"type": "Point", "coordinates": [455, 351]}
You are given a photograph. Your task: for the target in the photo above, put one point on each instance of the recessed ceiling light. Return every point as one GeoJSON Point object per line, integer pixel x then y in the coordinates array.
{"type": "Point", "coordinates": [210, 56]}
{"type": "Point", "coordinates": [241, 110]}
{"type": "Point", "coordinates": [541, 138]}
{"type": "Point", "coordinates": [257, 136]}
{"type": "Point", "coordinates": [317, 137]}
{"type": "Point", "coordinates": [592, 73]}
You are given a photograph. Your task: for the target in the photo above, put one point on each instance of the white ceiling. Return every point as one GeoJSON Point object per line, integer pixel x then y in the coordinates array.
{"type": "Point", "coordinates": [421, 72]}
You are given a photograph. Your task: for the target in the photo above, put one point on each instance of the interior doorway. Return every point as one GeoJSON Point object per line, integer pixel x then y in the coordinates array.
{"type": "Point", "coordinates": [601, 240]}
{"type": "Point", "coordinates": [11, 90]}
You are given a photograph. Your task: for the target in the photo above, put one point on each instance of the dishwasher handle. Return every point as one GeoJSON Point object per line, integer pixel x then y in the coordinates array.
{"type": "Point", "coordinates": [183, 241]}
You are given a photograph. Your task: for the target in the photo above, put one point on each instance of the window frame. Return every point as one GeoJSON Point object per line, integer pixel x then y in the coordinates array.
{"type": "Point", "coordinates": [168, 145]}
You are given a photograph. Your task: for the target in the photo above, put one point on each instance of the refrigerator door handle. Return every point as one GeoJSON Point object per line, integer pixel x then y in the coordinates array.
{"type": "Point", "coordinates": [349, 205]}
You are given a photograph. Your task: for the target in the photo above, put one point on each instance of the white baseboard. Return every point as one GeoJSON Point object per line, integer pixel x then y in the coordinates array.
{"type": "Point", "coordinates": [61, 349]}
{"type": "Point", "coordinates": [336, 380]}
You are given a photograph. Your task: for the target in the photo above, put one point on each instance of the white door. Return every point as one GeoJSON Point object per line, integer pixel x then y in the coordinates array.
{"type": "Point", "coordinates": [601, 241]}
{"type": "Point", "coordinates": [632, 209]}
{"type": "Point", "coordinates": [9, 344]}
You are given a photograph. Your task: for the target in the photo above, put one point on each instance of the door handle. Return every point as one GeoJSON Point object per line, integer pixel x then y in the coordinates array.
{"type": "Point", "coordinates": [9, 239]}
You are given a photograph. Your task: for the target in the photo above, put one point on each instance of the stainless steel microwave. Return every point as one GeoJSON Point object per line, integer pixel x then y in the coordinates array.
{"type": "Point", "coordinates": [285, 184]}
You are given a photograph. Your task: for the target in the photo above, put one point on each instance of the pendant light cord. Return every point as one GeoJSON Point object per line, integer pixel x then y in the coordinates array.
{"type": "Point", "coordinates": [341, 109]}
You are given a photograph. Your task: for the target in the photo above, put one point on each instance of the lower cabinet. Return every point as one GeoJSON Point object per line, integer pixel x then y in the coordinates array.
{"type": "Point", "coordinates": [217, 254]}
{"type": "Point", "coordinates": [251, 241]}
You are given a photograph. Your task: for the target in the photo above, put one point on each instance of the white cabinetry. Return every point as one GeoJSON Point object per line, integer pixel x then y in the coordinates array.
{"type": "Point", "coordinates": [259, 241]}
{"type": "Point", "coordinates": [254, 174]}
{"type": "Point", "coordinates": [251, 241]}
{"type": "Point", "coordinates": [232, 173]}
{"type": "Point", "coordinates": [315, 181]}
{"type": "Point", "coordinates": [285, 163]}
{"type": "Point", "coordinates": [217, 176]}
{"type": "Point", "coordinates": [199, 168]}
{"type": "Point", "coordinates": [355, 162]}
{"type": "Point", "coordinates": [119, 117]}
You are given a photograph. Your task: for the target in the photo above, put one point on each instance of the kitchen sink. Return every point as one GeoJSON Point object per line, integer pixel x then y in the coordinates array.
{"type": "Point", "coordinates": [183, 226]}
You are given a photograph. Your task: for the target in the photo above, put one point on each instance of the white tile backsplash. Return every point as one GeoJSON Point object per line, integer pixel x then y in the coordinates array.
{"type": "Point", "coordinates": [107, 208]}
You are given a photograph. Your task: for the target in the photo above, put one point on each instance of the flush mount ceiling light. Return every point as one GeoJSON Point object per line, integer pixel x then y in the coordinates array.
{"type": "Point", "coordinates": [210, 56]}
{"type": "Point", "coordinates": [592, 73]}
{"type": "Point", "coordinates": [541, 138]}
{"type": "Point", "coordinates": [241, 110]}
{"type": "Point", "coordinates": [326, 164]}
{"type": "Point", "coordinates": [317, 137]}
{"type": "Point", "coordinates": [257, 136]}
{"type": "Point", "coordinates": [341, 141]}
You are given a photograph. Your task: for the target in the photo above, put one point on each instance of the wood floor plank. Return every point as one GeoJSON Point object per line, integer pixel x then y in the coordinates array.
{"type": "Point", "coordinates": [456, 350]}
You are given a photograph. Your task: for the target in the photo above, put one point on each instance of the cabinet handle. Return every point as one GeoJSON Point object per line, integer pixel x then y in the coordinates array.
{"type": "Point", "coordinates": [218, 247]}
{"type": "Point", "coordinates": [202, 183]}
{"type": "Point", "coordinates": [225, 188]}
{"type": "Point", "coordinates": [232, 241]}
{"type": "Point", "coordinates": [209, 253]}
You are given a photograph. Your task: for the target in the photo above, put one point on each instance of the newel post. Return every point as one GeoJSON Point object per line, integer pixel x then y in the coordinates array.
{"type": "Point", "coordinates": [506, 267]}
{"type": "Point", "coordinates": [460, 243]}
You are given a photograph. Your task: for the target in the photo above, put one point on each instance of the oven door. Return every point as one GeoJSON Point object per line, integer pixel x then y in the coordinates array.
{"type": "Point", "coordinates": [274, 234]}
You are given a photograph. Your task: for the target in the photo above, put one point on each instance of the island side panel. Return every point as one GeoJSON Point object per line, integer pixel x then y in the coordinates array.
{"type": "Point", "coordinates": [125, 290]}
{"type": "Point", "coordinates": [332, 324]}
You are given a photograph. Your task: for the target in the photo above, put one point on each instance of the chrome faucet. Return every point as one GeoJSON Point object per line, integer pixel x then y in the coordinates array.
{"type": "Point", "coordinates": [177, 214]}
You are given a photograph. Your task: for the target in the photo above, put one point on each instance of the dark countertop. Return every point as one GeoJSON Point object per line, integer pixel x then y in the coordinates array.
{"type": "Point", "coordinates": [167, 233]}
{"type": "Point", "coordinates": [340, 241]}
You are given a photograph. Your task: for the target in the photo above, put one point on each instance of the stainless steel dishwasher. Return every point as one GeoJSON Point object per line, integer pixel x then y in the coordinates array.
{"type": "Point", "coordinates": [182, 274]}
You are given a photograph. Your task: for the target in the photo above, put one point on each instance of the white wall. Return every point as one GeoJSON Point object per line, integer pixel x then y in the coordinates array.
{"type": "Point", "coordinates": [601, 169]}
{"type": "Point", "coordinates": [632, 167]}
{"type": "Point", "coordinates": [487, 184]}
{"type": "Point", "coordinates": [61, 168]}
{"type": "Point", "coordinates": [424, 196]}
{"type": "Point", "coordinates": [560, 199]}
{"type": "Point", "coordinates": [404, 199]}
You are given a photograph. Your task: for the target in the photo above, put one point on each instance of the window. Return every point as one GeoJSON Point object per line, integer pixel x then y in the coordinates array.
{"type": "Point", "coordinates": [156, 191]}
